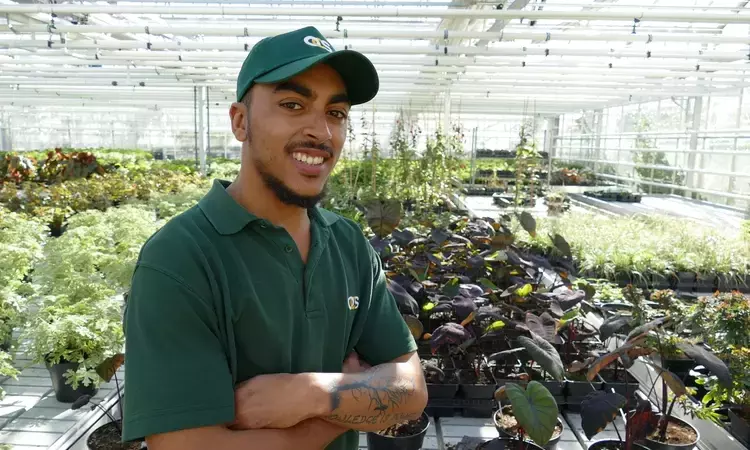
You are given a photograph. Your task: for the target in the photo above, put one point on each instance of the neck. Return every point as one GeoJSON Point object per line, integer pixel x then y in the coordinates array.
{"type": "Point", "coordinates": [249, 190]}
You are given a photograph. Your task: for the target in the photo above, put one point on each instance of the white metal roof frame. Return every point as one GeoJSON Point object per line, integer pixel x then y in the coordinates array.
{"type": "Point", "coordinates": [467, 56]}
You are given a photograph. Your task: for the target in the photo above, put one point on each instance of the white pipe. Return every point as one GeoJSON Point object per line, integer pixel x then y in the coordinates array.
{"type": "Point", "coordinates": [387, 85]}
{"type": "Point", "coordinates": [490, 64]}
{"type": "Point", "coordinates": [216, 77]}
{"type": "Point", "coordinates": [252, 32]}
{"type": "Point", "coordinates": [224, 10]}
{"type": "Point", "coordinates": [708, 71]}
{"type": "Point", "coordinates": [384, 49]}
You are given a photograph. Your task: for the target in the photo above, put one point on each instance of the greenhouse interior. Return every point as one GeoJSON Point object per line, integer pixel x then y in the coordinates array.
{"type": "Point", "coordinates": [558, 192]}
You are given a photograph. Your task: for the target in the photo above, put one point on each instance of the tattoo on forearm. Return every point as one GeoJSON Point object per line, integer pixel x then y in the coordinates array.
{"type": "Point", "coordinates": [384, 395]}
{"type": "Point", "coordinates": [352, 419]}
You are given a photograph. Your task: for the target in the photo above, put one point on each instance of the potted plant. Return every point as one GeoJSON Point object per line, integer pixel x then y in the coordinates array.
{"type": "Point", "coordinates": [600, 408]}
{"type": "Point", "coordinates": [530, 415]}
{"type": "Point", "coordinates": [667, 431]}
{"type": "Point", "coordinates": [109, 435]}
{"type": "Point", "coordinates": [407, 435]}
{"type": "Point", "coordinates": [72, 340]}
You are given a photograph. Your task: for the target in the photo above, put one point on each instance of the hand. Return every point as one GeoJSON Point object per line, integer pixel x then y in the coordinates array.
{"type": "Point", "coordinates": [353, 364]}
{"type": "Point", "coordinates": [272, 401]}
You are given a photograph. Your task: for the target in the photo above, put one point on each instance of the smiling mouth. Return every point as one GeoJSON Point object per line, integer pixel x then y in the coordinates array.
{"type": "Point", "coordinates": [307, 159]}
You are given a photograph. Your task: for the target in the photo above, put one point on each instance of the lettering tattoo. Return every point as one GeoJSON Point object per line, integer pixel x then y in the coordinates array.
{"type": "Point", "coordinates": [384, 395]}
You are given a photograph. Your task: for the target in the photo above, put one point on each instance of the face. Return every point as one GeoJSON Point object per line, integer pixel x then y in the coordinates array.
{"type": "Point", "coordinates": [294, 133]}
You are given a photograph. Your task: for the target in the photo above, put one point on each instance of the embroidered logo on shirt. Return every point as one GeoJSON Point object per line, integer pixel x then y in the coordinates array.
{"type": "Point", "coordinates": [353, 303]}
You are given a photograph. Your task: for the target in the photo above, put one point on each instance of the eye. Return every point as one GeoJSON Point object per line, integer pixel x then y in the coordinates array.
{"type": "Point", "coordinates": [339, 114]}
{"type": "Point", "coordinates": [291, 105]}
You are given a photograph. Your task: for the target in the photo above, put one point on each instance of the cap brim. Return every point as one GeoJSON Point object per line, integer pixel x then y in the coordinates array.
{"type": "Point", "coordinates": [356, 70]}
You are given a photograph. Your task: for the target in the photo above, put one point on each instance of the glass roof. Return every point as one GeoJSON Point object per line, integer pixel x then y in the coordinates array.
{"type": "Point", "coordinates": [481, 56]}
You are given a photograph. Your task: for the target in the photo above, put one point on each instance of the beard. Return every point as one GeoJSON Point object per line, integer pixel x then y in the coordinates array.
{"type": "Point", "coordinates": [285, 194]}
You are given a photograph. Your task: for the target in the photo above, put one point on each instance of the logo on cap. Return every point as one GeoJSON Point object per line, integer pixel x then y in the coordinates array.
{"type": "Point", "coordinates": [320, 43]}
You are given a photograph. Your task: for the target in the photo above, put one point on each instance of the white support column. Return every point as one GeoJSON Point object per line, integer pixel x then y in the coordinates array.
{"type": "Point", "coordinates": [202, 136]}
{"type": "Point", "coordinates": [598, 123]}
{"type": "Point", "coordinates": [695, 124]}
{"type": "Point", "coordinates": [733, 164]}
{"type": "Point", "coordinates": [447, 113]}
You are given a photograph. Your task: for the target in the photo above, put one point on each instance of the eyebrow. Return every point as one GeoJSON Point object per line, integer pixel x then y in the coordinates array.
{"type": "Point", "coordinates": [307, 92]}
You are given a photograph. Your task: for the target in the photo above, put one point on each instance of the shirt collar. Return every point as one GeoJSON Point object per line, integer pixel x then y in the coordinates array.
{"type": "Point", "coordinates": [229, 217]}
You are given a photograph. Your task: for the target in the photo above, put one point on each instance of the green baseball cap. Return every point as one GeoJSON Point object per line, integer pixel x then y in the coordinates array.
{"type": "Point", "coordinates": [279, 58]}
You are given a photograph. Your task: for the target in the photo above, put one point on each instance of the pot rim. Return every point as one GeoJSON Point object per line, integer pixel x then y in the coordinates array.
{"type": "Point", "coordinates": [423, 431]}
{"type": "Point", "coordinates": [514, 440]}
{"type": "Point", "coordinates": [682, 422]}
{"type": "Point", "coordinates": [643, 447]}
{"type": "Point", "coordinates": [497, 425]}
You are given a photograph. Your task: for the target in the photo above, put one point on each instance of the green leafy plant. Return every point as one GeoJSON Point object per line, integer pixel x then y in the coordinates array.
{"type": "Point", "coordinates": [534, 409]}
{"type": "Point", "coordinates": [86, 333]}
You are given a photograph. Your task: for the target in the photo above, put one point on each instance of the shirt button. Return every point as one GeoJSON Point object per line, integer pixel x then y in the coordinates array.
{"type": "Point", "coordinates": [288, 249]}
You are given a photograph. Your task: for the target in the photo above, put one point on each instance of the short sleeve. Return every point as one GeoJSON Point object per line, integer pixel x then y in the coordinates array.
{"type": "Point", "coordinates": [176, 372]}
{"type": "Point", "coordinates": [385, 336]}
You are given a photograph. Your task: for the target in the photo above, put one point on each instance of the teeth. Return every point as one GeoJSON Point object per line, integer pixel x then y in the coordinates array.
{"type": "Point", "coordinates": [307, 159]}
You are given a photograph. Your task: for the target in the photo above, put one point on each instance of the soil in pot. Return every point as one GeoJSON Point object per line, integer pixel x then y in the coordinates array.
{"type": "Point", "coordinates": [507, 426]}
{"type": "Point", "coordinates": [679, 433]}
{"type": "Point", "coordinates": [407, 435]}
{"type": "Point", "coordinates": [108, 437]}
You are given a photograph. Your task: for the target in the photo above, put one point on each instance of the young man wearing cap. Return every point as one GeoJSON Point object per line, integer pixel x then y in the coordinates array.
{"type": "Point", "coordinates": [256, 319]}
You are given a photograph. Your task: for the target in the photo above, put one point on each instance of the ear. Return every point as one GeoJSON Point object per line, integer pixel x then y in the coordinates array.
{"type": "Point", "coordinates": [238, 114]}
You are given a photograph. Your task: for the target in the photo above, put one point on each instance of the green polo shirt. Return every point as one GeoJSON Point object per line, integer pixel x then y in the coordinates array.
{"type": "Point", "coordinates": [220, 296]}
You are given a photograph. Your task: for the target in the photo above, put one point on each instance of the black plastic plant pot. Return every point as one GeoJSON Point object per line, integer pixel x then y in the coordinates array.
{"type": "Point", "coordinates": [508, 444]}
{"type": "Point", "coordinates": [551, 445]}
{"type": "Point", "coordinates": [377, 441]}
{"type": "Point", "coordinates": [478, 391]}
{"type": "Point", "coordinates": [613, 444]}
{"type": "Point", "coordinates": [441, 391]}
{"type": "Point", "coordinates": [63, 391]}
{"type": "Point", "coordinates": [108, 436]}
{"type": "Point", "coordinates": [654, 445]}
{"type": "Point", "coordinates": [740, 427]}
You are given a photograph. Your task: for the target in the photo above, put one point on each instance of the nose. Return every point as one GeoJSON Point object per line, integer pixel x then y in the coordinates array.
{"type": "Point", "coordinates": [318, 128]}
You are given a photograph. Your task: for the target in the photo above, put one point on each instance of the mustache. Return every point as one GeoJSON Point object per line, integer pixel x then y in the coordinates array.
{"type": "Point", "coordinates": [309, 144]}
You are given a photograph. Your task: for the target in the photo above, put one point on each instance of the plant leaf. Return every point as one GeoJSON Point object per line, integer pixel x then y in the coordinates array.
{"type": "Point", "coordinates": [544, 354]}
{"type": "Point", "coordinates": [708, 360]}
{"type": "Point", "coordinates": [415, 326]}
{"type": "Point", "coordinates": [404, 300]}
{"type": "Point", "coordinates": [106, 370]}
{"type": "Point", "coordinates": [535, 410]}
{"type": "Point", "coordinates": [607, 359]}
{"type": "Point", "coordinates": [504, 354]}
{"type": "Point", "coordinates": [439, 236]}
{"type": "Point", "coordinates": [562, 245]}
{"type": "Point", "coordinates": [495, 326]}
{"type": "Point", "coordinates": [428, 306]}
{"type": "Point", "coordinates": [402, 238]}
{"type": "Point", "coordinates": [673, 381]}
{"type": "Point", "coordinates": [544, 326]}
{"type": "Point", "coordinates": [383, 216]}
{"type": "Point", "coordinates": [528, 223]}
{"type": "Point", "coordinates": [599, 409]}
{"type": "Point", "coordinates": [450, 289]}
{"type": "Point", "coordinates": [612, 324]}
{"type": "Point", "coordinates": [499, 256]}
{"type": "Point", "coordinates": [488, 285]}
{"type": "Point", "coordinates": [524, 290]}
{"type": "Point", "coordinates": [644, 329]}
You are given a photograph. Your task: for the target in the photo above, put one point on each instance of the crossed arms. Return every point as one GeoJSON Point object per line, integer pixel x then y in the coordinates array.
{"type": "Point", "coordinates": [308, 411]}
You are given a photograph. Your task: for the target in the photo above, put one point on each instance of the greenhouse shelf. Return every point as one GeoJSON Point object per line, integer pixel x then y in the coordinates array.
{"type": "Point", "coordinates": [671, 205]}
{"type": "Point", "coordinates": [31, 416]}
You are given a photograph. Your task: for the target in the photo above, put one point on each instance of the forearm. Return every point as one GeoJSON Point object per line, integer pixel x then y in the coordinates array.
{"type": "Point", "coordinates": [382, 396]}
{"type": "Point", "coordinates": [312, 434]}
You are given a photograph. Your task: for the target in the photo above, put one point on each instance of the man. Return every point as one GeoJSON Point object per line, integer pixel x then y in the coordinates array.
{"type": "Point", "coordinates": [256, 319]}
